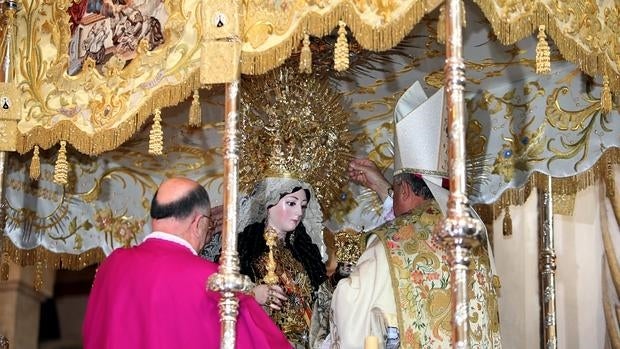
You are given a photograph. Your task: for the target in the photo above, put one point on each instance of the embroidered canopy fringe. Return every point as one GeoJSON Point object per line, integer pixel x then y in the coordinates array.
{"type": "Point", "coordinates": [368, 36]}
{"type": "Point", "coordinates": [109, 139]}
{"type": "Point", "coordinates": [53, 260]}
{"type": "Point", "coordinates": [562, 186]}
{"type": "Point", "coordinates": [509, 32]}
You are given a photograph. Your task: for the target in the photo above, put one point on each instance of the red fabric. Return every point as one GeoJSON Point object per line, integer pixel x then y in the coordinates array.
{"type": "Point", "coordinates": [154, 296]}
{"type": "Point", "coordinates": [445, 182]}
{"type": "Point", "coordinates": [76, 12]}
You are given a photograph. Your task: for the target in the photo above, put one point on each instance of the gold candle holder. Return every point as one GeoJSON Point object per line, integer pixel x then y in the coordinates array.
{"type": "Point", "coordinates": [271, 237]}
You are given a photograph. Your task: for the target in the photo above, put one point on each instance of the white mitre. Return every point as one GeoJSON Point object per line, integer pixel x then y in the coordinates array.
{"type": "Point", "coordinates": [421, 139]}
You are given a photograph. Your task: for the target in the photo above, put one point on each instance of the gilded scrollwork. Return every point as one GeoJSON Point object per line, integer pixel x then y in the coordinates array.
{"type": "Point", "coordinates": [585, 123]}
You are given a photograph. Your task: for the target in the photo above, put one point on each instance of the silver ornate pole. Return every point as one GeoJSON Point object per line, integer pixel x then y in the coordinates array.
{"type": "Point", "coordinates": [7, 75]}
{"type": "Point", "coordinates": [228, 280]}
{"type": "Point", "coordinates": [459, 231]}
{"type": "Point", "coordinates": [546, 264]}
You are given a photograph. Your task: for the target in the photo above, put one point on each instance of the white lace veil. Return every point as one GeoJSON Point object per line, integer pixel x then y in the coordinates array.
{"type": "Point", "coordinates": [252, 208]}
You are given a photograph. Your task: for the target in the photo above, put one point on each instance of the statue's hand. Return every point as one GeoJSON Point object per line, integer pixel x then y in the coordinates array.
{"type": "Point", "coordinates": [269, 295]}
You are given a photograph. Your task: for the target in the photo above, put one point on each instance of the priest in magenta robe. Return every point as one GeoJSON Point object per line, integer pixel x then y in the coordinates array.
{"type": "Point", "coordinates": [154, 295]}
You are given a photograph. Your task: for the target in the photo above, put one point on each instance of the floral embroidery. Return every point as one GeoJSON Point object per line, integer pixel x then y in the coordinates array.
{"type": "Point", "coordinates": [420, 276]}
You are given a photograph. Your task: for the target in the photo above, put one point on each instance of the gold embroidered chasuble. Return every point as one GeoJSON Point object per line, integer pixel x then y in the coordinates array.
{"type": "Point", "coordinates": [420, 276]}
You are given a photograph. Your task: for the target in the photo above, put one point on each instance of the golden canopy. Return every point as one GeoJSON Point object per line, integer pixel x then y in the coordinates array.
{"type": "Point", "coordinates": [79, 78]}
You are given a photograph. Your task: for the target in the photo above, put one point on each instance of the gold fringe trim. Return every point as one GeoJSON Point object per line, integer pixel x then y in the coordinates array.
{"type": "Point", "coordinates": [51, 259]}
{"type": "Point", "coordinates": [561, 186]}
{"type": "Point", "coordinates": [543, 53]}
{"type": "Point", "coordinates": [109, 139]}
{"type": "Point", "coordinates": [4, 268]}
{"type": "Point", "coordinates": [509, 32]}
{"type": "Point", "coordinates": [341, 52]}
{"type": "Point", "coordinates": [606, 95]}
{"type": "Point", "coordinates": [61, 170]}
{"type": "Point", "coordinates": [369, 36]}
{"type": "Point", "coordinates": [195, 113]}
{"type": "Point", "coordinates": [156, 136]}
{"type": "Point", "coordinates": [564, 204]}
{"type": "Point", "coordinates": [305, 58]}
{"type": "Point", "coordinates": [35, 164]}
{"type": "Point", "coordinates": [37, 282]}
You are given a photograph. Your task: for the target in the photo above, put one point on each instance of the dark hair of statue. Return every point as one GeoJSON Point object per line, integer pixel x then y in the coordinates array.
{"type": "Point", "coordinates": [417, 184]}
{"type": "Point", "coordinates": [197, 198]}
{"type": "Point", "coordinates": [251, 245]}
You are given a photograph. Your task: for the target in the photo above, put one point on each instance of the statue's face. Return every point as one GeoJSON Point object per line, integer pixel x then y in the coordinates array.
{"type": "Point", "coordinates": [286, 215]}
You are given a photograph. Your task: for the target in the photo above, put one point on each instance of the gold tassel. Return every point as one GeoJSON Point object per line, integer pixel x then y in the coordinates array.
{"type": "Point", "coordinates": [305, 58]}
{"type": "Point", "coordinates": [507, 223]}
{"type": "Point", "coordinates": [610, 182]}
{"type": "Point", "coordinates": [543, 53]}
{"type": "Point", "coordinates": [38, 276]}
{"type": "Point", "coordinates": [61, 170]}
{"type": "Point", "coordinates": [606, 95]}
{"type": "Point", "coordinates": [156, 139]}
{"type": "Point", "coordinates": [4, 269]}
{"type": "Point", "coordinates": [35, 164]}
{"type": "Point", "coordinates": [195, 115]}
{"type": "Point", "coordinates": [341, 52]}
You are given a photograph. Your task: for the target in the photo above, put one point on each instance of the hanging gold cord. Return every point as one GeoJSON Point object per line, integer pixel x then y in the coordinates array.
{"type": "Point", "coordinates": [341, 52]}
{"type": "Point", "coordinates": [61, 170]}
{"type": "Point", "coordinates": [305, 58]}
{"type": "Point", "coordinates": [543, 53]}
{"type": "Point", "coordinates": [195, 113]}
{"type": "Point", "coordinates": [35, 164]}
{"type": "Point", "coordinates": [156, 139]}
{"type": "Point", "coordinates": [606, 95]}
{"type": "Point", "coordinates": [507, 223]}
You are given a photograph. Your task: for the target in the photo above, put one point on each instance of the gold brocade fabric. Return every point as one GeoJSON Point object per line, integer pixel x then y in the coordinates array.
{"type": "Point", "coordinates": [421, 281]}
{"type": "Point", "coordinates": [294, 317]}
{"type": "Point", "coordinates": [95, 93]}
